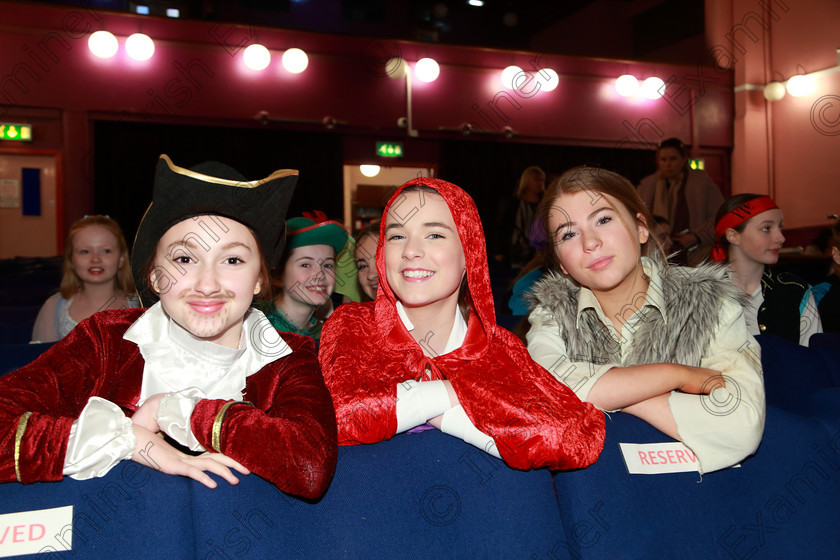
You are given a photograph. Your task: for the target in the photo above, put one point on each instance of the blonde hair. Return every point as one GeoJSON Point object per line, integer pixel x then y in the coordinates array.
{"type": "Point", "coordinates": [596, 182]}
{"type": "Point", "coordinates": [532, 172]}
{"type": "Point", "coordinates": [70, 281]}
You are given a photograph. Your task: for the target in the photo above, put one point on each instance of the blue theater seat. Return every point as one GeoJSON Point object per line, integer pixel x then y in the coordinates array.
{"type": "Point", "coordinates": [132, 513]}
{"type": "Point", "coordinates": [792, 373]}
{"type": "Point", "coordinates": [423, 495]}
{"type": "Point", "coordinates": [781, 503]}
{"type": "Point", "coordinates": [16, 324]}
{"type": "Point", "coordinates": [13, 356]}
{"type": "Point", "coordinates": [429, 495]}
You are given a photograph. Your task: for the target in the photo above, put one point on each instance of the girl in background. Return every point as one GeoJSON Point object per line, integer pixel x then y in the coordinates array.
{"type": "Point", "coordinates": [96, 276]}
{"type": "Point", "coordinates": [307, 274]}
{"type": "Point", "coordinates": [628, 332]}
{"type": "Point", "coordinates": [749, 237]}
{"type": "Point", "coordinates": [365, 252]}
{"type": "Point", "coordinates": [514, 217]}
{"type": "Point", "coordinates": [429, 349]}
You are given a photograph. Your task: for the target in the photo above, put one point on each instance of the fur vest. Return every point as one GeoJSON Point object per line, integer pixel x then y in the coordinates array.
{"type": "Point", "coordinates": [693, 299]}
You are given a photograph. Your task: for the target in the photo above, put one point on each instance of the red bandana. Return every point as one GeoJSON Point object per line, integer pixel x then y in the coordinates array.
{"type": "Point", "coordinates": [736, 217]}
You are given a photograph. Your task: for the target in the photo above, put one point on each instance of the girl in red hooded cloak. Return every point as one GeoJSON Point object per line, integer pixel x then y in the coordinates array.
{"type": "Point", "coordinates": [429, 350]}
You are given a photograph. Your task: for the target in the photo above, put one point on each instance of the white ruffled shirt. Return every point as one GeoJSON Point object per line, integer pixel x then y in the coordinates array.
{"type": "Point", "coordinates": [420, 401]}
{"type": "Point", "coordinates": [186, 368]}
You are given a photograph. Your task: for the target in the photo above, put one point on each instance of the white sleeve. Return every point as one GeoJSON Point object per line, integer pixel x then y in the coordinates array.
{"type": "Point", "coordinates": [417, 402]}
{"type": "Point", "coordinates": [455, 422]}
{"type": "Point", "coordinates": [100, 438]}
{"type": "Point", "coordinates": [546, 347]}
{"type": "Point", "coordinates": [809, 320]}
{"type": "Point", "coordinates": [725, 426]}
{"type": "Point", "coordinates": [174, 413]}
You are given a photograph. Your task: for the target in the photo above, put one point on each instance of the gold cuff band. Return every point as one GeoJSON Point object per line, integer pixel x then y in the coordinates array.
{"type": "Point", "coordinates": [217, 424]}
{"type": "Point", "coordinates": [21, 427]}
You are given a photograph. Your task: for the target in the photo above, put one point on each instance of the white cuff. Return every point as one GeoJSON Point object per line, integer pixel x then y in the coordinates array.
{"type": "Point", "coordinates": [417, 402]}
{"type": "Point", "coordinates": [174, 414]}
{"type": "Point", "coordinates": [455, 422]}
{"type": "Point", "coordinates": [99, 439]}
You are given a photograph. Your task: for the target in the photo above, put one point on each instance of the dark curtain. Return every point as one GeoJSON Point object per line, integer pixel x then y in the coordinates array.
{"type": "Point", "coordinates": [127, 153]}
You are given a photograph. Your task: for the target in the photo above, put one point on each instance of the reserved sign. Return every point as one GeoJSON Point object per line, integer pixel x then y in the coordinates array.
{"type": "Point", "coordinates": [29, 532]}
{"type": "Point", "coordinates": [658, 458]}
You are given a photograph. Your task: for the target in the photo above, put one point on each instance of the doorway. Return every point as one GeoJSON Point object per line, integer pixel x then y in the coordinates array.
{"type": "Point", "coordinates": [365, 196]}
{"type": "Point", "coordinates": [30, 192]}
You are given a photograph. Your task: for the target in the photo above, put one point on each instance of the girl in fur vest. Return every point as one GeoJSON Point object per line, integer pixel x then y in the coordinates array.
{"type": "Point", "coordinates": [628, 332]}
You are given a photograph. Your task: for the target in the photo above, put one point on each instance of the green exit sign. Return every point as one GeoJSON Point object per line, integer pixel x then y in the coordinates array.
{"type": "Point", "coordinates": [389, 149]}
{"type": "Point", "coordinates": [16, 131]}
{"type": "Point", "coordinates": [697, 163]}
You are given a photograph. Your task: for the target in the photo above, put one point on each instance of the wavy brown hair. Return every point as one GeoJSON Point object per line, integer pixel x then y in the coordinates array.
{"type": "Point", "coordinates": [596, 182]}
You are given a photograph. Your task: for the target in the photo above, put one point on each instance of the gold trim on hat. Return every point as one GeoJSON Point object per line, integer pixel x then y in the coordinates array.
{"type": "Point", "coordinates": [227, 182]}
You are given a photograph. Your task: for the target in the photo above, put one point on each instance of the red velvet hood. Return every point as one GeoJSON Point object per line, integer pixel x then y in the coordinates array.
{"type": "Point", "coordinates": [482, 320]}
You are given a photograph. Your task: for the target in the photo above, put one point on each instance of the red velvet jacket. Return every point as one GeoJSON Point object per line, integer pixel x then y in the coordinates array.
{"type": "Point", "coordinates": [288, 437]}
{"type": "Point", "coordinates": [366, 351]}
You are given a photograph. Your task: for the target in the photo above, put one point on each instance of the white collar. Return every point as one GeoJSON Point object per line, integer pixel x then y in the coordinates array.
{"type": "Point", "coordinates": [456, 336]}
{"type": "Point", "coordinates": [176, 359]}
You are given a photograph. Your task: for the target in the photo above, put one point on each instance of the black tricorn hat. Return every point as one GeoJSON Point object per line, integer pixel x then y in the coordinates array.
{"type": "Point", "coordinates": [212, 188]}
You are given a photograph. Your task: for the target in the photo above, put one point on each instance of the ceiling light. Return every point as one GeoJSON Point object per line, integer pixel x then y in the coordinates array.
{"type": "Point", "coordinates": [427, 70]}
{"type": "Point", "coordinates": [774, 91]}
{"type": "Point", "coordinates": [653, 88]}
{"type": "Point", "coordinates": [140, 46]}
{"type": "Point", "coordinates": [800, 85]}
{"type": "Point", "coordinates": [103, 44]}
{"type": "Point", "coordinates": [256, 57]}
{"type": "Point", "coordinates": [552, 82]}
{"type": "Point", "coordinates": [295, 61]}
{"type": "Point", "coordinates": [369, 170]}
{"type": "Point", "coordinates": [627, 85]}
{"type": "Point", "coordinates": [509, 75]}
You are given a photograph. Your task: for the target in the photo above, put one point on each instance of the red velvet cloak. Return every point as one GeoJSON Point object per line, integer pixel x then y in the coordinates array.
{"type": "Point", "coordinates": [288, 437]}
{"type": "Point", "coordinates": [535, 420]}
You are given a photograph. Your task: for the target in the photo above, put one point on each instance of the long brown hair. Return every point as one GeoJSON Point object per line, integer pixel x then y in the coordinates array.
{"type": "Point", "coordinates": [70, 281]}
{"type": "Point", "coordinates": [596, 182]}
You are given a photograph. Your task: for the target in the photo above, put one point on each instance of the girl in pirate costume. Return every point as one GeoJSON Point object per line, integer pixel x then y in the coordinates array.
{"type": "Point", "coordinates": [628, 332]}
{"type": "Point", "coordinates": [199, 366]}
{"type": "Point", "coordinates": [749, 237]}
{"type": "Point", "coordinates": [428, 348]}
